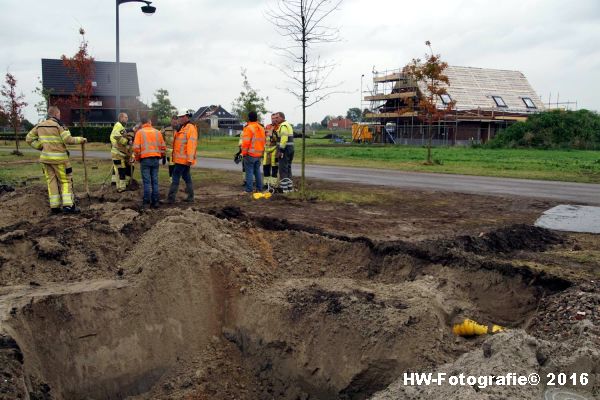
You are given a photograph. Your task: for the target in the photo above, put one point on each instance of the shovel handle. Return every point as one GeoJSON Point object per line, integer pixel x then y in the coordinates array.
{"type": "Point", "coordinates": [85, 171]}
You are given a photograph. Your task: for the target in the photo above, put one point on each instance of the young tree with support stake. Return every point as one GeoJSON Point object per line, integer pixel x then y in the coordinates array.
{"type": "Point", "coordinates": [81, 68]}
{"type": "Point", "coordinates": [431, 73]}
{"type": "Point", "coordinates": [12, 107]}
{"type": "Point", "coordinates": [303, 22]}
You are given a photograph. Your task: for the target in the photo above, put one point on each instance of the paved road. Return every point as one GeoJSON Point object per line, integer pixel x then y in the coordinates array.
{"type": "Point", "coordinates": [575, 193]}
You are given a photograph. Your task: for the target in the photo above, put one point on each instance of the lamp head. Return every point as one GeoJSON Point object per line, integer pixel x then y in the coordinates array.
{"type": "Point", "coordinates": [148, 9]}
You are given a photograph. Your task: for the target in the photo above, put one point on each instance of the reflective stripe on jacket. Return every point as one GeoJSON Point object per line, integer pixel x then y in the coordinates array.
{"type": "Point", "coordinates": [185, 145]}
{"type": "Point", "coordinates": [168, 133]}
{"type": "Point", "coordinates": [119, 142]}
{"type": "Point", "coordinates": [253, 140]}
{"type": "Point", "coordinates": [286, 135]}
{"type": "Point", "coordinates": [51, 138]}
{"type": "Point", "coordinates": [148, 142]}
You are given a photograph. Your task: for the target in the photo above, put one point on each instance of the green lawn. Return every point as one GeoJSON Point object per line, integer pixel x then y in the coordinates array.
{"type": "Point", "coordinates": [562, 165]}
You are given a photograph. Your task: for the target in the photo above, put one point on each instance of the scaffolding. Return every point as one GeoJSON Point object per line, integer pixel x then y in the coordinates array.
{"type": "Point", "coordinates": [394, 115]}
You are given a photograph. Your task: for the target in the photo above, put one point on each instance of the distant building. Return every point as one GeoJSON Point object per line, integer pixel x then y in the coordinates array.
{"type": "Point", "coordinates": [339, 124]}
{"type": "Point", "coordinates": [487, 100]}
{"type": "Point", "coordinates": [56, 79]}
{"type": "Point", "coordinates": [217, 118]}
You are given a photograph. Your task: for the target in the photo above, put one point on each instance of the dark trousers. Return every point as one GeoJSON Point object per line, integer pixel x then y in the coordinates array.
{"type": "Point", "coordinates": [252, 166]}
{"type": "Point", "coordinates": [285, 169]}
{"type": "Point", "coordinates": [149, 170]}
{"type": "Point", "coordinates": [181, 171]}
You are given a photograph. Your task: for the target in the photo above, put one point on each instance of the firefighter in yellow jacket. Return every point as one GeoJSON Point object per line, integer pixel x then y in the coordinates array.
{"type": "Point", "coordinates": [285, 152]}
{"type": "Point", "coordinates": [168, 134]}
{"type": "Point", "coordinates": [270, 160]}
{"type": "Point", "coordinates": [51, 138]}
{"type": "Point", "coordinates": [121, 140]}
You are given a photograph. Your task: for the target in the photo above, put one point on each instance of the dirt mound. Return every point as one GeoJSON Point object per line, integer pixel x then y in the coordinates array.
{"type": "Point", "coordinates": [570, 314]}
{"type": "Point", "coordinates": [509, 239]}
{"type": "Point", "coordinates": [509, 352]}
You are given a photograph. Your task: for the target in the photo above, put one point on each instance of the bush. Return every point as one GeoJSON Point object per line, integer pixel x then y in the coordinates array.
{"type": "Point", "coordinates": [100, 134]}
{"type": "Point", "coordinates": [553, 129]}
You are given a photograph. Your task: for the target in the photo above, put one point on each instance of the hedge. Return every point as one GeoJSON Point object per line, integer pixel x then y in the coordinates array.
{"type": "Point", "coordinates": [100, 134]}
{"type": "Point", "coordinates": [553, 129]}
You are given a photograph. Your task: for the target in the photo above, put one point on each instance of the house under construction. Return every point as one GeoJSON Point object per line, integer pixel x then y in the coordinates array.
{"type": "Point", "coordinates": [486, 100]}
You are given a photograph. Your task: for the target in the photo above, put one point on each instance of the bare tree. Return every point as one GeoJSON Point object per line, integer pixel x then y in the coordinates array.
{"type": "Point", "coordinates": [303, 23]}
{"type": "Point", "coordinates": [41, 107]}
{"type": "Point", "coordinates": [13, 107]}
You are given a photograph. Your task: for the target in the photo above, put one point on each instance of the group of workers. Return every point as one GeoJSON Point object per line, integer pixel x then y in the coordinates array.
{"type": "Point", "coordinates": [272, 146]}
{"type": "Point", "coordinates": [176, 144]}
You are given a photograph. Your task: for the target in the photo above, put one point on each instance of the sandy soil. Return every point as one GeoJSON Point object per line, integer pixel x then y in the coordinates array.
{"type": "Point", "coordinates": [233, 298]}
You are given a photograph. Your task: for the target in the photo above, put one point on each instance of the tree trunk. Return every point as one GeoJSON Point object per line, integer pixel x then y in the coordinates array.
{"type": "Point", "coordinates": [17, 152]}
{"type": "Point", "coordinates": [303, 161]}
{"type": "Point", "coordinates": [429, 161]}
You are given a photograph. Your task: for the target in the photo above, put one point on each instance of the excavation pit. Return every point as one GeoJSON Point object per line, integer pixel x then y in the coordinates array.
{"type": "Point", "coordinates": [205, 307]}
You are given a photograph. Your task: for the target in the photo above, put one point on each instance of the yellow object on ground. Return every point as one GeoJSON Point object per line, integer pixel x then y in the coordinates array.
{"type": "Point", "coordinates": [361, 133]}
{"type": "Point", "coordinates": [258, 195]}
{"type": "Point", "coordinates": [471, 328]}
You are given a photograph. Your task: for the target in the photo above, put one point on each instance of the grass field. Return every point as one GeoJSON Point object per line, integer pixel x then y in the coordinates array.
{"type": "Point", "coordinates": [561, 165]}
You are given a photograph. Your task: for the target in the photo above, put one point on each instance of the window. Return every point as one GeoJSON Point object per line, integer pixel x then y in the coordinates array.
{"type": "Point", "coordinates": [446, 99]}
{"type": "Point", "coordinates": [499, 101]}
{"type": "Point", "coordinates": [528, 102]}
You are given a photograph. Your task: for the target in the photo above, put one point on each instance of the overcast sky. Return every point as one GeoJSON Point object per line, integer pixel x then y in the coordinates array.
{"type": "Point", "coordinates": [196, 48]}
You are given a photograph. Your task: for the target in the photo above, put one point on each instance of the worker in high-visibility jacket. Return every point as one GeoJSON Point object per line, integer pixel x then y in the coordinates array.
{"type": "Point", "coordinates": [121, 140]}
{"type": "Point", "coordinates": [285, 152]}
{"type": "Point", "coordinates": [270, 160]}
{"type": "Point", "coordinates": [51, 138]}
{"type": "Point", "coordinates": [148, 148]}
{"type": "Point", "coordinates": [253, 148]}
{"type": "Point", "coordinates": [168, 133]}
{"type": "Point", "coordinates": [185, 146]}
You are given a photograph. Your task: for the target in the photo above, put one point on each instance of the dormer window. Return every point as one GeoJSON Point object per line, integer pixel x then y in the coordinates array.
{"type": "Point", "coordinates": [446, 99]}
{"type": "Point", "coordinates": [499, 101]}
{"type": "Point", "coordinates": [528, 102]}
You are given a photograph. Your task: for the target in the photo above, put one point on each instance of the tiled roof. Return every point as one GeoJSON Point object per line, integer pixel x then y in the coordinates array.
{"type": "Point", "coordinates": [56, 77]}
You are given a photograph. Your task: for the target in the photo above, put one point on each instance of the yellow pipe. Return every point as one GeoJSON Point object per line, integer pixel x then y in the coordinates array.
{"type": "Point", "coordinates": [471, 328]}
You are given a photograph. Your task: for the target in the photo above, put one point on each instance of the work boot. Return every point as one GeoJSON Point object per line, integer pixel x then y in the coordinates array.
{"type": "Point", "coordinates": [55, 210]}
{"type": "Point", "coordinates": [71, 210]}
{"type": "Point", "coordinates": [190, 194]}
{"type": "Point", "coordinates": [172, 194]}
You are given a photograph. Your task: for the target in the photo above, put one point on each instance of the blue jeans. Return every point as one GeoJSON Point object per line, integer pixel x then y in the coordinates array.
{"type": "Point", "coordinates": [181, 171]}
{"type": "Point", "coordinates": [149, 168]}
{"type": "Point", "coordinates": [252, 165]}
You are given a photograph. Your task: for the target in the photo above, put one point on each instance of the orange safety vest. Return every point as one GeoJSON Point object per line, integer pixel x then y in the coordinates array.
{"type": "Point", "coordinates": [253, 140]}
{"type": "Point", "coordinates": [185, 145]}
{"type": "Point", "coordinates": [148, 142]}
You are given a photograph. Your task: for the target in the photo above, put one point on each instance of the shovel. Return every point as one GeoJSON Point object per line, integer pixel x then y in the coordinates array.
{"type": "Point", "coordinates": [86, 185]}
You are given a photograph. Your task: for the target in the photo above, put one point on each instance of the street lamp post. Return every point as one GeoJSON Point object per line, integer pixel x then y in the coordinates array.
{"type": "Point", "coordinates": [148, 10]}
{"type": "Point", "coordinates": [361, 96]}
